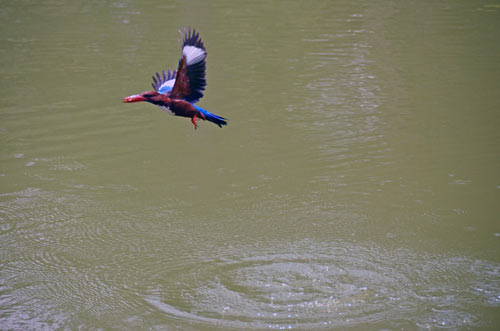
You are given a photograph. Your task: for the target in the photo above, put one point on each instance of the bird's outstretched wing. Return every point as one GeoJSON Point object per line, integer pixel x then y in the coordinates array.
{"type": "Point", "coordinates": [164, 82]}
{"type": "Point", "coordinates": [190, 80]}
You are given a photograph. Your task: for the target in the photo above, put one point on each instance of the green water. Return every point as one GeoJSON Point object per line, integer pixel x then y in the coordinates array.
{"type": "Point", "coordinates": [357, 184]}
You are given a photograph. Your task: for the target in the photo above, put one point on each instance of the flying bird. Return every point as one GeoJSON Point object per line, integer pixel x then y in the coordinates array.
{"type": "Point", "coordinates": [177, 91]}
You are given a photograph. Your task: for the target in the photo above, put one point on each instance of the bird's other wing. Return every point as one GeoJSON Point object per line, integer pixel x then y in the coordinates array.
{"type": "Point", "coordinates": [190, 81]}
{"type": "Point", "coordinates": [164, 82]}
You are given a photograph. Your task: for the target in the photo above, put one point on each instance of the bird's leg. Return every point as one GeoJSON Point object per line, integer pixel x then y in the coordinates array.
{"type": "Point", "coordinates": [193, 120]}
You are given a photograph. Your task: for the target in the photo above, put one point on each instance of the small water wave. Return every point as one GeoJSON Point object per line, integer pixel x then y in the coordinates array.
{"type": "Point", "coordinates": [55, 259]}
{"type": "Point", "coordinates": [311, 286]}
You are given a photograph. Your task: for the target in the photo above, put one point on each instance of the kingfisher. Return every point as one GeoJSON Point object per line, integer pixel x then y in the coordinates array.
{"type": "Point", "coordinates": [177, 91]}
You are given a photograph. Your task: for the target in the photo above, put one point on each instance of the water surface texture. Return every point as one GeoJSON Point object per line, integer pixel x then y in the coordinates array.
{"type": "Point", "coordinates": [356, 186]}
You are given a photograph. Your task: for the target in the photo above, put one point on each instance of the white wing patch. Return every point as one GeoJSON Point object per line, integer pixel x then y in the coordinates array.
{"type": "Point", "coordinates": [167, 86]}
{"type": "Point", "coordinates": [193, 54]}
{"type": "Point", "coordinates": [168, 110]}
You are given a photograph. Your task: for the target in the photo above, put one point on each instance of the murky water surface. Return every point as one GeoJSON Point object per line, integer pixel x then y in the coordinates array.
{"type": "Point", "coordinates": [356, 186]}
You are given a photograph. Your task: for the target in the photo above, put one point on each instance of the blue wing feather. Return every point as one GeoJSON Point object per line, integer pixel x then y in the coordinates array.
{"type": "Point", "coordinates": [164, 83]}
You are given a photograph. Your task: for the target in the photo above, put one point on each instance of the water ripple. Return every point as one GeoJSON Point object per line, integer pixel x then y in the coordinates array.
{"type": "Point", "coordinates": [316, 286]}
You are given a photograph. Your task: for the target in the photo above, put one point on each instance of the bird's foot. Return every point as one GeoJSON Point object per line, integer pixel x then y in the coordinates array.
{"type": "Point", "coordinates": [193, 120]}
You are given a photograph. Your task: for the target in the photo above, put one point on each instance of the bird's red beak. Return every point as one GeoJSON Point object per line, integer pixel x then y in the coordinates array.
{"type": "Point", "coordinates": [134, 98]}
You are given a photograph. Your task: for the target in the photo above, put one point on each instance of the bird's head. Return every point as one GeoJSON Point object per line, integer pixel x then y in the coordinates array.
{"type": "Point", "coordinates": [149, 96]}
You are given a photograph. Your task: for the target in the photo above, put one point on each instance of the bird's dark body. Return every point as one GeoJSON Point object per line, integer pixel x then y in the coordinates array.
{"type": "Point", "coordinates": [179, 107]}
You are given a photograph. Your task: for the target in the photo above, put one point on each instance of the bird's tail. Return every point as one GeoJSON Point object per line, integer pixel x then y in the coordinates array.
{"type": "Point", "coordinates": [219, 120]}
